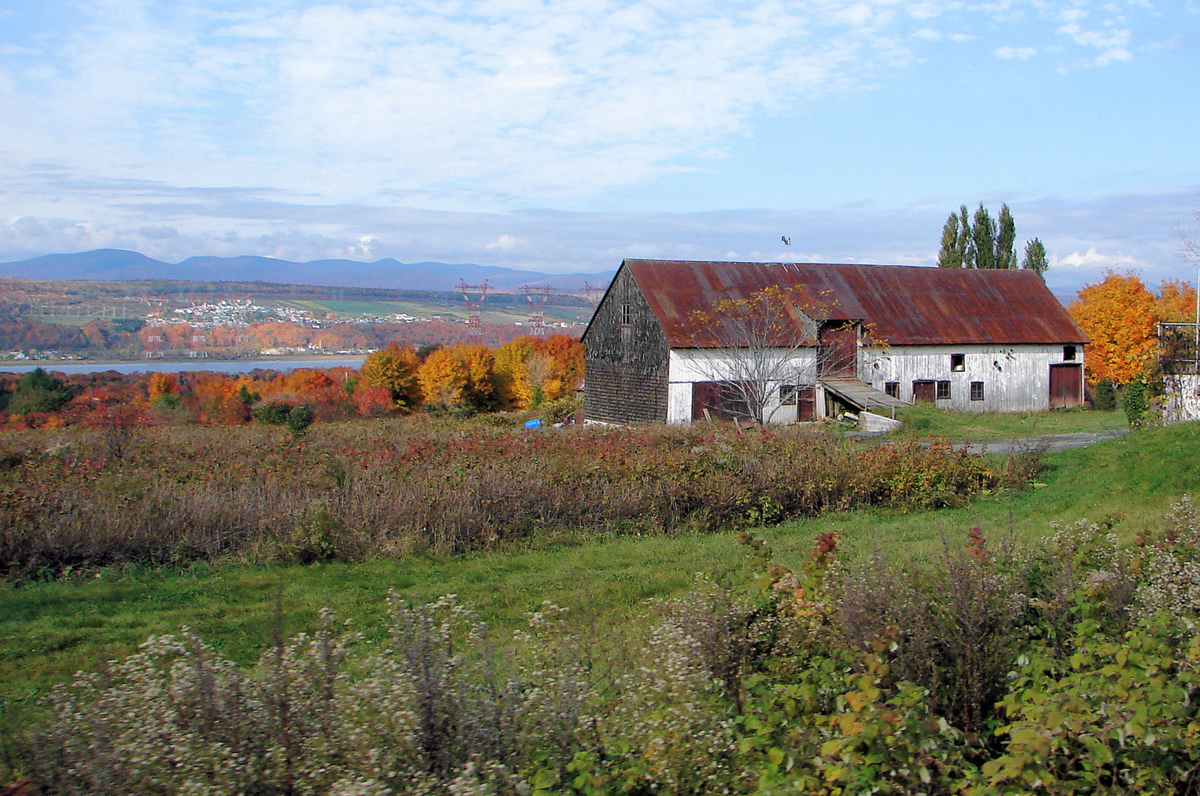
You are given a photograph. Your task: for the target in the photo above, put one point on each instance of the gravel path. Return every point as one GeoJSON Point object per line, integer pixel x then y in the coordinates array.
{"type": "Point", "coordinates": [1053, 442]}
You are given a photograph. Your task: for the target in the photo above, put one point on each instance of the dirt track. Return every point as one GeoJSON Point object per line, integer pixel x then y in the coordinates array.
{"type": "Point", "coordinates": [1053, 442]}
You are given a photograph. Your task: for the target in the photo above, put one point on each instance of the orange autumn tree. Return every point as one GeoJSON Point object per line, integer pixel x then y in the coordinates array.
{"type": "Point", "coordinates": [163, 384]}
{"type": "Point", "coordinates": [1176, 302]}
{"type": "Point", "coordinates": [459, 375]}
{"type": "Point", "coordinates": [395, 369]}
{"type": "Point", "coordinates": [1120, 316]}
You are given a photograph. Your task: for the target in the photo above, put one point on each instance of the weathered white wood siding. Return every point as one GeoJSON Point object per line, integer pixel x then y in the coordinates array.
{"type": "Point", "coordinates": [688, 366]}
{"type": "Point", "coordinates": [1015, 378]}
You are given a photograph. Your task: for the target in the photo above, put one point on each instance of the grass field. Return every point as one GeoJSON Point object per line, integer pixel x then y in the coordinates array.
{"type": "Point", "coordinates": [494, 313]}
{"type": "Point", "coordinates": [48, 630]}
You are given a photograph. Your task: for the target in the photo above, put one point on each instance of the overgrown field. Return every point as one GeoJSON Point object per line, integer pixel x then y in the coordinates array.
{"type": "Point", "coordinates": [958, 645]}
{"type": "Point", "coordinates": [1068, 666]}
{"type": "Point", "coordinates": [79, 499]}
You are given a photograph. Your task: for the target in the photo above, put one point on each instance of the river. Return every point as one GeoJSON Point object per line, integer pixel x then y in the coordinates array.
{"type": "Point", "coordinates": [160, 366]}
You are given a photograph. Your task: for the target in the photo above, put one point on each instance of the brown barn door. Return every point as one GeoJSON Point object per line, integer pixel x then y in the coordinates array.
{"type": "Point", "coordinates": [838, 350]}
{"type": "Point", "coordinates": [1066, 386]}
{"type": "Point", "coordinates": [705, 395]}
{"type": "Point", "coordinates": [806, 404]}
{"type": "Point", "coordinates": [924, 391]}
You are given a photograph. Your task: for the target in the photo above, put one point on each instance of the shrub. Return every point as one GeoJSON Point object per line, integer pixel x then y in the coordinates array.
{"type": "Point", "coordinates": [561, 410]}
{"type": "Point", "coordinates": [1104, 396]}
{"type": "Point", "coordinates": [38, 391]}
{"type": "Point", "coordinates": [299, 419]}
{"type": "Point", "coordinates": [273, 413]}
{"type": "Point", "coordinates": [1135, 402]}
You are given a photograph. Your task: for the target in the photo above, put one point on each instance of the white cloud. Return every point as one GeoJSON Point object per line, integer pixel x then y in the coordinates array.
{"type": "Point", "coordinates": [504, 243]}
{"type": "Point", "coordinates": [1016, 53]}
{"type": "Point", "coordinates": [514, 98]}
{"type": "Point", "coordinates": [1112, 42]}
{"type": "Point", "coordinates": [1094, 260]}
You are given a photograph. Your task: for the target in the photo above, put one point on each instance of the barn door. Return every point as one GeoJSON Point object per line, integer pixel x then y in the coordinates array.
{"type": "Point", "coordinates": [723, 400]}
{"type": "Point", "coordinates": [837, 350]}
{"type": "Point", "coordinates": [924, 391]}
{"type": "Point", "coordinates": [1066, 386]}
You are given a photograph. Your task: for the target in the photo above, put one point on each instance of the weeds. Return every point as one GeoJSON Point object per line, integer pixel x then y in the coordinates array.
{"type": "Point", "coordinates": [943, 677]}
{"type": "Point", "coordinates": [351, 491]}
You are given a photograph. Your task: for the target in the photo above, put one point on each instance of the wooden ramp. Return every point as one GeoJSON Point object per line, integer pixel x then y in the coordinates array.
{"type": "Point", "coordinates": [860, 395]}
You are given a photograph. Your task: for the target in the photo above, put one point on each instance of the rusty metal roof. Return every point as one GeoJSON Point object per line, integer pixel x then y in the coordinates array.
{"type": "Point", "coordinates": [904, 305]}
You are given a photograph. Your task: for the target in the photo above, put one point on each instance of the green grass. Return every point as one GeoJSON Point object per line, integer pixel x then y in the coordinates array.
{"type": "Point", "coordinates": [493, 313]}
{"type": "Point", "coordinates": [49, 630]}
{"type": "Point", "coordinates": [925, 421]}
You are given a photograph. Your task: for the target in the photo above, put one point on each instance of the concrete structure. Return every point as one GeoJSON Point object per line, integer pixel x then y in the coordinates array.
{"type": "Point", "coordinates": [667, 342]}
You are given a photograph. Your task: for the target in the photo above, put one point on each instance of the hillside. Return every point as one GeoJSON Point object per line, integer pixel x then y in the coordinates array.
{"type": "Point", "coordinates": [51, 319]}
{"type": "Point", "coordinates": [121, 265]}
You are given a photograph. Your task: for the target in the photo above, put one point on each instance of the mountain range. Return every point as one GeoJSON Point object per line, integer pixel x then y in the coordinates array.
{"type": "Point", "coordinates": [119, 264]}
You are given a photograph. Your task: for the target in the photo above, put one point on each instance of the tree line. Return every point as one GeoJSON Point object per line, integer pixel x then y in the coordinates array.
{"type": "Point", "coordinates": [526, 373]}
{"type": "Point", "coordinates": [984, 242]}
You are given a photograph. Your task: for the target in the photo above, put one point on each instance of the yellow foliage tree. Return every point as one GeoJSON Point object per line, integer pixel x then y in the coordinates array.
{"type": "Point", "coordinates": [512, 376]}
{"type": "Point", "coordinates": [395, 369]}
{"type": "Point", "coordinates": [1120, 316]}
{"type": "Point", "coordinates": [533, 370]}
{"type": "Point", "coordinates": [459, 375]}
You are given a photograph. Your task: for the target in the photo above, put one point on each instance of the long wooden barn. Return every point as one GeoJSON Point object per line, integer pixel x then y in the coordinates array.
{"type": "Point", "coordinates": [676, 341]}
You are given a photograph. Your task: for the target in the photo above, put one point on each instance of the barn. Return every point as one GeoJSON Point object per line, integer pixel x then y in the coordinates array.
{"type": "Point", "coordinates": [676, 341]}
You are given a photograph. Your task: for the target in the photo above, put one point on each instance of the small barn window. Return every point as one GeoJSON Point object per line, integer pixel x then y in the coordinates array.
{"type": "Point", "coordinates": [976, 391]}
{"type": "Point", "coordinates": [1068, 353]}
{"type": "Point", "coordinates": [787, 395]}
{"type": "Point", "coordinates": [943, 391]}
{"type": "Point", "coordinates": [626, 314]}
{"type": "Point", "coordinates": [958, 363]}
{"type": "Point", "coordinates": [892, 388]}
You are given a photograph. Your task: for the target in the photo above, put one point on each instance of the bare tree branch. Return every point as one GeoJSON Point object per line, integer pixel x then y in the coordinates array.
{"type": "Point", "coordinates": [767, 347]}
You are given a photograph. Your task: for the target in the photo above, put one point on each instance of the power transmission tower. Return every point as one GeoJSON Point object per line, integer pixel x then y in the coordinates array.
{"type": "Point", "coordinates": [537, 307]}
{"type": "Point", "coordinates": [474, 295]}
{"type": "Point", "coordinates": [593, 293]}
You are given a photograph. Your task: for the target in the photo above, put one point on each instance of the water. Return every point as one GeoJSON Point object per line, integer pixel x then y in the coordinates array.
{"type": "Point", "coordinates": [157, 366]}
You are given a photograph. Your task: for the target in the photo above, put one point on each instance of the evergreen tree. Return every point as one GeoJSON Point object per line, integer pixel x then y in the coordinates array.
{"type": "Point", "coordinates": [950, 255]}
{"type": "Point", "coordinates": [966, 241]}
{"type": "Point", "coordinates": [1035, 258]}
{"type": "Point", "coordinates": [1006, 241]}
{"type": "Point", "coordinates": [38, 391]}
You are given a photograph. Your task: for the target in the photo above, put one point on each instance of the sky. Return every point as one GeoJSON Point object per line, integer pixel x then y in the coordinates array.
{"type": "Point", "coordinates": [566, 136]}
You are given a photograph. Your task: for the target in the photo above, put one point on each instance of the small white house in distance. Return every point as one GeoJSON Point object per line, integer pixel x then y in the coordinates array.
{"type": "Point", "coordinates": [659, 349]}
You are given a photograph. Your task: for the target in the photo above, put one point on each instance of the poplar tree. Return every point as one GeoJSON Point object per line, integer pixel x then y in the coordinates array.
{"type": "Point", "coordinates": [985, 243]}
{"type": "Point", "coordinates": [984, 233]}
{"type": "Point", "coordinates": [1006, 241]}
{"type": "Point", "coordinates": [950, 256]}
{"type": "Point", "coordinates": [966, 241]}
{"type": "Point", "coordinates": [1035, 258]}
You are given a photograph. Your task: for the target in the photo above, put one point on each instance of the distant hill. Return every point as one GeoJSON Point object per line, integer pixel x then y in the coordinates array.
{"type": "Point", "coordinates": [118, 264]}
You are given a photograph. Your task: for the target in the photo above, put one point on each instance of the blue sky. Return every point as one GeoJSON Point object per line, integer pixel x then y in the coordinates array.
{"type": "Point", "coordinates": [564, 136]}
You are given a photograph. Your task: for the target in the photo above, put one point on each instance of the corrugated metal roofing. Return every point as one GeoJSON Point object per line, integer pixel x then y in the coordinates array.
{"type": "Point", "coordinates": [905, 305]}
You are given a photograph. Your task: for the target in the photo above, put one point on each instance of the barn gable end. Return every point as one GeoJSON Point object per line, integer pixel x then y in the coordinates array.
{"type": "Point", "coordinates": [627, 358]}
